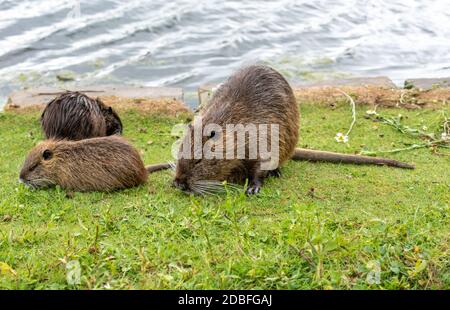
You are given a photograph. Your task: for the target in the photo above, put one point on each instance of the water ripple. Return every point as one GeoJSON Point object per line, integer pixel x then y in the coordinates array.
{"type": "Point", "coordinates": [188, 43]}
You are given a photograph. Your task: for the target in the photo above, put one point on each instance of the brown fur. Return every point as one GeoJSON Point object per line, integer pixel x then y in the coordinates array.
{"type": "Point", "coordinates": [253, 95]}
{"type": "Point", "coordinates": [97, 164]}
{"type": "Point", "coordinates": [75, 116]}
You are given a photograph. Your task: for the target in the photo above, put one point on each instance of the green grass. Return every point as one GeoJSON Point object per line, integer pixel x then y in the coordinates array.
{"type": "Point", "coordinates": [320, 226]}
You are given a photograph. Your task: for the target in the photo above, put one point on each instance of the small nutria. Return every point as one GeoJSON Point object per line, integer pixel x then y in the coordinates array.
{"type": "Point", "coordinates": [75, 116]}
{"type": "Point", "coordinates": [96, 164]}
{"type": "Point", "coordinates": [254, 95]}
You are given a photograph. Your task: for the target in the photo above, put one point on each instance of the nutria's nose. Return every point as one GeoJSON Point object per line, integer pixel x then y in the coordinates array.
{"type": "Point", "coordinates": [22, 177]}
{"type": "Point", "coordinates": [181, 184]}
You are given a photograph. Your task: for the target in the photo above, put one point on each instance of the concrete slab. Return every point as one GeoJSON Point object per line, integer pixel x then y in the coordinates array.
{"type": "Point", "coordinates": [427, 83]}
{"type": "Point", "coordinates": [380, 81]}
{"type": "Point", "coordinates": [41, 96]}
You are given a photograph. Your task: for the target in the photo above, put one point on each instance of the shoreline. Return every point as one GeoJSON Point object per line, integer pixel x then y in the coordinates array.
{"type": "Point", "coordinates": [381, 90]}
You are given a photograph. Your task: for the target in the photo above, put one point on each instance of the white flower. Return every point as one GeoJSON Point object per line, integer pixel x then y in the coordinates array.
{"type": "Point", "coordinates": [424, 128]}
{"type": "Point", "coordinates": [340, 137]}
{"type": "Point", "coordinates": [371, 112]}
{"type": "Point", "coordinates": [444, 136]}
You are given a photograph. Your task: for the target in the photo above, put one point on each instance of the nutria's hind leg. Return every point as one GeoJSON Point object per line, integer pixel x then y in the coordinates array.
{"type": "Point", "coordinates": [274, 173]}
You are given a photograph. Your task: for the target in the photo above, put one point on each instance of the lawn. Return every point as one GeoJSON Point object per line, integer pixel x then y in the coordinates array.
{"type": "Point", "coordinates": [319, 226]}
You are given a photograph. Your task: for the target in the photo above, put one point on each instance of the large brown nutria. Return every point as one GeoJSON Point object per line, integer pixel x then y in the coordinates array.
{"type": "Point", "coordinates": [97, 164]}
{"type": "Point", "coordinates": [254, 95]}
{"type": "Point", "coordinates": [75, 116]}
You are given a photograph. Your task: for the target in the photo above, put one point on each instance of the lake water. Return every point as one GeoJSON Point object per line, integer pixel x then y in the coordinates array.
{"type": "Point", "coordinates": [188, 43]}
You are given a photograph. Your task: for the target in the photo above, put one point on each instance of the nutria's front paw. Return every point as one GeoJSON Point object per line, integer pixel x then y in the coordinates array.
{"type": "Point", "coordinates": [253, 188]}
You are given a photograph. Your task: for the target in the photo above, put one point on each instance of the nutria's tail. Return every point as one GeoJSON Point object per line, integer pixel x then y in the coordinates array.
{"type": "Point", "coordinates": [313, 155]}
{"type": "Point", "coordinates": [158, 167]}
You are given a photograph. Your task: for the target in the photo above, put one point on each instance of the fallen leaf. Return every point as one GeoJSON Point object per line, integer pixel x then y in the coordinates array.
{"type": "Point", "coordinates": [6, 269]}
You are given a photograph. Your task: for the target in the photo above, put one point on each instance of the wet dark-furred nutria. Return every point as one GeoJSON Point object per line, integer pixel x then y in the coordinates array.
{"type": "Point", "coordinates": [75, 116]}
{"type": "Point", "coordinates": [254, 95]}
{"type": "Point", "coordinates": [97, 164]}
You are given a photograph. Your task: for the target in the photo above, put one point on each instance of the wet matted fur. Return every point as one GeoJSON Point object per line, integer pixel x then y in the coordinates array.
{"type": "Point", "coordinates": [75, 116]}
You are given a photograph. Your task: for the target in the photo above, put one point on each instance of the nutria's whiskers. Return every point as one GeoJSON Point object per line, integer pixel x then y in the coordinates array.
{"type": "Point", "coordinates": [205, 188]}
{"type": "Point", "coordinates": [214, 187]}
{"type": "Point", "coordinates": [37, 183]}
{"type": "Point", "coordinates": [42, 182]}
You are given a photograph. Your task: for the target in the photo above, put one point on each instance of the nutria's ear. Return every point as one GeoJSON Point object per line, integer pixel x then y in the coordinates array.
{"type": "Point", "coordinates": [47, 154]}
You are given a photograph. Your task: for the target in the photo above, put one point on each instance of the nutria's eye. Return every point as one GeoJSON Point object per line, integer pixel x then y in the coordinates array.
{"type": "Point", "coordinates": [214, 135]}
{"type": "Point", "coordinates": [110, 110]}
{"type": "Point", "coordinates": [47, 154]}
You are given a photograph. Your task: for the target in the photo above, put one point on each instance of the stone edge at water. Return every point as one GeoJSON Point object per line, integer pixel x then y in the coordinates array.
{"type": "Point", "coordinates": [38, 97]}
{"type": "Point", "coordinates": [380, 81]}
{"type": "Point", "coordinates": [369, 90]}
{"type": "Point", "coordinates": [427, 83]}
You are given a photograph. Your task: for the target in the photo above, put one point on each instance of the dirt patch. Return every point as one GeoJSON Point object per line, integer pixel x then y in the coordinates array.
{"type": "Point", "coordinates": [29, 109]}
{"type": "Point", "coordinates": [376, 96]}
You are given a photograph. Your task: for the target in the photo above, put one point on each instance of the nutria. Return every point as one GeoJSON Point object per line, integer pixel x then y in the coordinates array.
{"type": "Point", "coordinates": [254, 95]}
{"type": "Point", "coordinates": [75, 116]}
{"type": "Point", "coordinates": [96, 164]}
